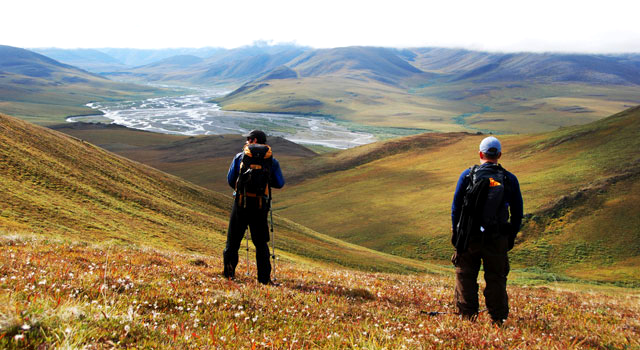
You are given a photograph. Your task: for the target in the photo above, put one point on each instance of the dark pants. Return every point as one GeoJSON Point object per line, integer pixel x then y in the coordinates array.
{"type": "Point", "coordinates": [492, 253]}
{"type": "Point", "coordinates": [256, 219]}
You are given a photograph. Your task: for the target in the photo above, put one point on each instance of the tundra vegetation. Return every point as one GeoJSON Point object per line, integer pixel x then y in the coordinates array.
{"type": "Point", "coordinates": [66, 294]}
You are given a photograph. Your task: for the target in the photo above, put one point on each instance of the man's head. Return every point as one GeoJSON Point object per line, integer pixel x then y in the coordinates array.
{"type": "Point", "coordinates": [256, 136]}
{"type": "Point", "coordinates": [490, 150]}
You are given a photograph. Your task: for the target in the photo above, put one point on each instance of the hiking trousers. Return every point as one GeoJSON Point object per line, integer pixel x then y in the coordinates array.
{"type": "Point", "coordinates": [256, 219]}
{"type": "Point", "coordinates": [492, 254]}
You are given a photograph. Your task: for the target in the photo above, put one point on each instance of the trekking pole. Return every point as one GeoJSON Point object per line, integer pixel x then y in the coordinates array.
{"type": "Point", "coordinates": [273, 236]}
{"type": "Point", "coordinates": [247, 259]}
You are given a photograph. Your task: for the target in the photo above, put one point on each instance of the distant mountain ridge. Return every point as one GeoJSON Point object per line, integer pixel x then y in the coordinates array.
{"type": "Point", "coordinates": [140, 57]}
{"type": "Point", "coordinates": [418, 88]}
{"type": "Point", "coordinates": [27, 63]}
{"type": "Point", "coordinates": [383, 64]}
{"type": "Point", "coordinates": [43, 90]}
{"type": "Point", "coordinates": [597, 69]}
{"type": "Point", "coordinates": [378, 63]}
{"type": "Point", "coordinates": [89, 59]}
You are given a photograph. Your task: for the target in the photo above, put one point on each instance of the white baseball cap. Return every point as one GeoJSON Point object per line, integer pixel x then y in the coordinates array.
{"type": "Point", "coordinates": [490, 146]}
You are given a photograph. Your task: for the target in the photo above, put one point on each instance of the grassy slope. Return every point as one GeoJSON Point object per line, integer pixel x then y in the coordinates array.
{"type": "Point", "coordinates": [64, 294]}
{"type": "Point", "coordinates": [401, 203]}
{"type": "Point", "coordinates": [55, 185]}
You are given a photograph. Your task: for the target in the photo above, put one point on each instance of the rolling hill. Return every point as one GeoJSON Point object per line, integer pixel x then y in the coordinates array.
{"type": "Point", "coordinates": [418, 89]}
{"type": "Point", "coordinates": [54, 185]}
{"type": "Point", "coordinates": [203, 160]}
{"type": "Point", "coordinates": [362, 85]}
{"type": "Point", "coordinates": [45, 91]}
{"type": "Point", "coordinates": [222, 67]}
{"type": "Point", "coordinates": [376, 63]}
{"type": "Point", "coordinates": [446, 89]}
{"type": "Point", "coordinates": [580, 188]}
{"type": "Point", "coordinates": [484, 67]}
{"type": "Point", "coordinates": [555, 68]}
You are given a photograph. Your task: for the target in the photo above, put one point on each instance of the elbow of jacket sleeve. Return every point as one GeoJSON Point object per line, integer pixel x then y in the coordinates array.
{"type": "Point", "coordinates": [277, 179]}
{"type": "Point", "coordinates": [278, 182]}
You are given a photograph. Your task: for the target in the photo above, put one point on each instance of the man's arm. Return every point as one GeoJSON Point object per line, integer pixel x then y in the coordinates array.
{"type": "Point", "coordinates": [277, 179]}
{"type": "Point", "coordinates": [458, 198]}
{"type": "Point", "coordinates": [234, 170]}
{"type": "Point", "coordinates": [516, 209]}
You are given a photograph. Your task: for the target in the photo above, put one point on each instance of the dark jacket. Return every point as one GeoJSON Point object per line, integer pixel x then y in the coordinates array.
{"type": "Point", "coordinates": [277, 180]}
{"type": "Point", "coordinates": [513, 199]}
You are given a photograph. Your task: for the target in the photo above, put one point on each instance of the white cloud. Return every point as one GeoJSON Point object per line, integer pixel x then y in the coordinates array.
{"type": "Point", "coordinates": [588, 26]}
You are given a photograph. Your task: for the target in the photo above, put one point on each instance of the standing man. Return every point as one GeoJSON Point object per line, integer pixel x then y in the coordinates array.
{"type": "Point", "coordinates": [252, 174]}
{"type": "Point", "coordinates": [486, 215]}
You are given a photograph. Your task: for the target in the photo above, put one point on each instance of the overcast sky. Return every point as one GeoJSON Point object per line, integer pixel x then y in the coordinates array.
{"type": "Point", "coordinates": [558, 25]}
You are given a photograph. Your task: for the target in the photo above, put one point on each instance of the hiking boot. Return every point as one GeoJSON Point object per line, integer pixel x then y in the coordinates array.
{"type": "Point", "coordinates": [229, 271]}
{"type": "Point", "coordinates": [270, 283]}
{"type": "Point", "coordinates": [469, 316]}
{"type": "Point", "coordinates": [498, 322]}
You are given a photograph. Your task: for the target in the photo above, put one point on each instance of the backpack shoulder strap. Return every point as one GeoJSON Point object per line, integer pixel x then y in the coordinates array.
{"type": "Point", "coordinates": [505, 176]}
{"type": "Point", "coordinates": [472, 172]}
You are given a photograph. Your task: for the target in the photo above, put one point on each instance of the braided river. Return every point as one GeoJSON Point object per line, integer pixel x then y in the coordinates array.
{"type": "Point", "coordinates": [192, 115]}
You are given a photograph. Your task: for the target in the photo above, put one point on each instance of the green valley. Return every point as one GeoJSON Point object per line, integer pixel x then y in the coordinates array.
{"type": "Point", "coordinates": [55, 185]}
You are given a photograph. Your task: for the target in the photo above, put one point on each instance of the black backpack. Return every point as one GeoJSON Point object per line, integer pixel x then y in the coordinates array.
{"type": "Point", "coordinates": [483, 209]}
{"type": "Point", "coordinates": [252, 186]}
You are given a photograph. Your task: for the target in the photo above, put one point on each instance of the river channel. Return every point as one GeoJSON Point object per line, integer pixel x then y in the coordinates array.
{"type": "Point", "coordinates": [192, 115]}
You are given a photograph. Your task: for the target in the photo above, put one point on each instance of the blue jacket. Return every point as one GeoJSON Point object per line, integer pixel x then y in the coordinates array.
{"type": "Point", "coordinates": [277, 180]}
{"type": "Point", "coordinates": [513, 199]}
